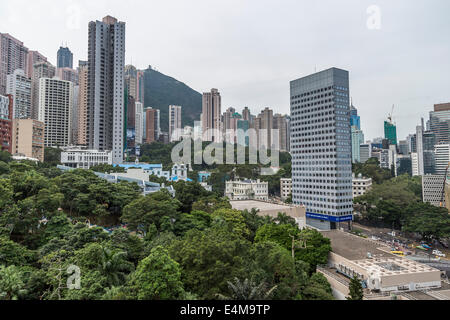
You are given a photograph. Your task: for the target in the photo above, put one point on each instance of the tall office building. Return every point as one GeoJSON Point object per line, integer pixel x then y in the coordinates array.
{"type": "Point", "coordinates": [365, 152]}
{"type": "Point", "coordinates": [175, 130]}
{"type": "Point", "coordinates": [211, 116]}
{"type": "Point", "coordinates": [152, 125]}
{"type": "Point", "coordinates": [139, 123]}
{"type": "Point", "coordinates": [355, 120]}
{"type": "Point", "coordinates": [442, 152]}
{"type": "Point", "coordinates": [440, 123]}
{"type": "Point", "coordinates": [106, 62]}
{"type": "Point", "coordinates": [357, 140]}
{"type": "Point", "coordinates": [13, 56]}
{"type": "Point", "coordinates": [67, 74]}
{"type": "Point", "coordinates": [420, 153]}
{"type": "Point", "coordinates": [321, 147]}
{"type": "Point", "coordinates": [55, 110]}
{"type": "Point", "coordinates": [131, 81]}
{"type": "Point", "coordinates": [390, 132]}
{"type": "Point", "coordinates": [33, 57]}
{"type": "Point", "coordinates": [6, 124]}
{"type": "Point", "coordinates": [19, 86]}
{"type": "Point", "coordinates": [403, 147]}
{"type": "Point", "coordinates": [41, 69]}
{"type": "Point", "coordinates": [82, 104]}
{"type": "Point", "coordinates": [65, 58]}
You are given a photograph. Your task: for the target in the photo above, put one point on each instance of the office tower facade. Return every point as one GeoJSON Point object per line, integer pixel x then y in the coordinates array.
{"type": "Point", "coordinates": [6, 124]}
{"type": "Point", "coordinates": [280, 123]}
{"type": "Point", "coordinates": [152, 125]}
{"type": "Point", "coordinates": [175, 123]}
{"type": "Point", "coordinates": [33, 57]}
{"type": "Point", "coordinates": [106, 62]}
{"type": "Point", "coordinates": [55, 108]}
{"type": "Point", "coordinates": [82, 104]}
{"type": "Point", "coordinates": [403, 147]}
{"type": "Point", "coordinates": [404, 165]}
{"type": "Point", "coordinates": [355, 120]}
{"type": "Point", "coordinates": [442, 160]}
{"type": "Point", "coordinates": [139, 123]}
{"type": "Point", "coordinates": [65, 58]}
{"type": "Point", "coordinates": [264, 129]}
{"type": "Point", "coordinates": [440, 123]}
{"type": "Point", "coordinates": [419, 147]}
{"type": "Point", "coordinates": [28, 138]}
{"type": "Point", "coordinates": [13, 56]}
{"type": "Point", "coordinates": [412, 143]}
{"type": "Point", "coordinates": [19, 86]}
{"type": "Point", "coordinates": [357, 140]}
{"type": "Point", "coordinates": [321, 147]}
{"type": "Point", "coordinates": [130, 122]}
{"type": "Point", "coordinates": [211, 116]}
{"type": "Point", "coordinates": [40, 70]}
{"type": "Point", "coordinates": [140, 87]}
{"type": "Point", "coordinates": [390, 132]}
{"type": "Point", "coordinates": [131, 81]}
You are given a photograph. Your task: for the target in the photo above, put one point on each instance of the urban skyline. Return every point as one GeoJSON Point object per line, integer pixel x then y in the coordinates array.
{"type": "Point", "coordinates": [401, 29]}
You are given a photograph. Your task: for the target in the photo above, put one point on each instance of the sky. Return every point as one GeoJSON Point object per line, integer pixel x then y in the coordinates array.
{"type": "Point", "coordinates": [397, 52]}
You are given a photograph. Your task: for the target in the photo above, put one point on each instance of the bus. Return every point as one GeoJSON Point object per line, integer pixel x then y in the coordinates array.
{"type": "Point", "coordinates": [398, 253]}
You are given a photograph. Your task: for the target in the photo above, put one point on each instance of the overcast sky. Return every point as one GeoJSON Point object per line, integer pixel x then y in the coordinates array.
{"type": "Point", "coordinates": [251, 49]}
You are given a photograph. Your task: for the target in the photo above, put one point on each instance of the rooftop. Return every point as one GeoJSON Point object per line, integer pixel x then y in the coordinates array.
{"type": "Point", "coordinates": [261, 205]}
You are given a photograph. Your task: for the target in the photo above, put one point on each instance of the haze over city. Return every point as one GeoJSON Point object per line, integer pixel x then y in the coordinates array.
{"type": "Point", "coordinates": [250, 50]}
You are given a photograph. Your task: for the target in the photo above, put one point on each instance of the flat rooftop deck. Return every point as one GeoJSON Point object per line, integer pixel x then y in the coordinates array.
{"type": "Point", "coordinates": [252, 204]}
{"type": "Point", "coordinates": [353, 247]}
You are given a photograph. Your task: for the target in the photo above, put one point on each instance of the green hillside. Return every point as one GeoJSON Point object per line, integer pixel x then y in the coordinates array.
{"type": "Point", "coordinates": [162, 91]}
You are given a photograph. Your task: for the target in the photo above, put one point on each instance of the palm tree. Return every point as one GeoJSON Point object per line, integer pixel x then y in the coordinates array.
{"type": "Point", "coordinates": [114, 266]}
{"type": "Point", "coordinates": [248, 290]}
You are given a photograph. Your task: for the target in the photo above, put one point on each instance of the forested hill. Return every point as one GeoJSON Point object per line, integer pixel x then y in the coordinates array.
{"type": "Point", "coordinates": [162, 91]}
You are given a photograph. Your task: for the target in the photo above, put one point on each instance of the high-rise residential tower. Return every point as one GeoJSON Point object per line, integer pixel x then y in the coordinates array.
{"type": "Point", "coordinates": [33, 58]}
{"type": "Point", "coordinates": [6, 123]}
{"type": "Point", "coordinates": [65, 58]}
{"type": "Point", "coordinates": [55, 110]}
{"type": "Point", "coordinates": [211, 116]}
{"type": "Point", "coordinates": [264, 129]}
{"type": "Point", "coordinates": [131, 81]}
{"type": "Point", "coordinates": [139, 126]}
{"type": "Point", "coordinates": [280, 123]}
{"type": "Point", "coordinates": [321, 147]}
{"type": "Point", "coordinates": [19, 86]}
{"type": "Point", "coordinates": [152, 125]}
{"type": "Point", "coordinates": [106, 62]}
{"type": "Point", "coordinates": [175, 130]}
{"type": "Point", "coordinates": [13, 56]}
{"type": "Point", "coordinates": [40, 70]}
{"type": "Point", "coordinates": [82, 104]}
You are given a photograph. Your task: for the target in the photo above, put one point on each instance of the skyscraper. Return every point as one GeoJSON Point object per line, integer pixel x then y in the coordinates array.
{"type": "Point", "coordinates": [280, 123]}
{"type": "Point", "coordinates": [440, 123]}
{"type": "Point", "coordinates": [33, 58]}
{"type": "Point", "coordinates": [131, 122]}
{"type": "Point", "coordinates": [65, 58]}
{"type": "Point", "coordinates": [264, 129]}
{"type": "Point", "coordinates": [40, 70]}
{"type": "Point", "coordinates": [82, 104]}
{"type": "Point", "coordinates": [357, 140]}
{"type": "Point", "coordinates": [139, 123]}
{"type": "Point", "coordinates": [13, 56]}
{"type": "Point", "coordinates": [131, 80]}
{"type": "Point", "coordinates": [106, 62]}
{"type": "Point", "coordinates": [211, 116]}
{"type": "Point", "coordinates": [6, 123]}
{"type": "Point", "coordinates": [321, 147]}
{"type": "Point", "coordinates": [355, 120]}
{"type": "Point", "coordinates": [152, 125]}
{"type": "Point", "coordinates": [140, 87]}
{"type": "Point", "coordinates": [19, 86]}
{"type": "Point", "coordinates": [390, 132]}
{"type": "Point", "coordinates": [55, 110]}
{"type": "Point", "coordinates": [175, 131]}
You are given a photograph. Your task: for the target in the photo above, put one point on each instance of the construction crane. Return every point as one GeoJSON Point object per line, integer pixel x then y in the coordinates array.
{"type": "Point", "coordinates": [391, 115]}
{"type": "Point", "coordinates": [443, 187]}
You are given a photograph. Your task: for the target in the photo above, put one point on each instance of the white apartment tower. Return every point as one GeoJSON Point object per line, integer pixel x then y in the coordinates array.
{"type": "Point", "coordinates": [55, 110]}
{"type": "Point", "coordinates": [105, 109]}
{"type": "Point", "coordinates": [19, 86]}
{"type": "Point", "coordinates": [139, 138]}
{"type": "Point", "coordinates": [175, 123]}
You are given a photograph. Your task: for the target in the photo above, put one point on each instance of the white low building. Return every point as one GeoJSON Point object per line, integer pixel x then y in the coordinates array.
{"type": "Point", "coordinates": [361, 185]}
{"type": "Point", "coordinates": [85, 159]}
{"type": "Point", "coordinates": [247, 190]}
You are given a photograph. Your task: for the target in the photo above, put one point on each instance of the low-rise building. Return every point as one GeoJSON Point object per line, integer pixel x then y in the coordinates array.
{"type": "Point", "coordinates": [361, 185]}
{"type": "Point", "coordinates": [79, 158]}
{"type": "Point", "coordinates": [28, 138]}
{"type": "Point", "coordinates": [285, 188]}
{"type": "Point", "coordinates": [379, 271]}
{"type": "Point", "coordinates": [247, 190]}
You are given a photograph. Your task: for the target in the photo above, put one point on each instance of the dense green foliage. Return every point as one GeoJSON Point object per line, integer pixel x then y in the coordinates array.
{"type": "Point", "coordinates": [161, 91]}
{"type": "Point", "coordinates": [398, 203]}
{"type": "Point", "coordinates": [371, 169]}
{"type": "Point", "coordinates": [356, 290]}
